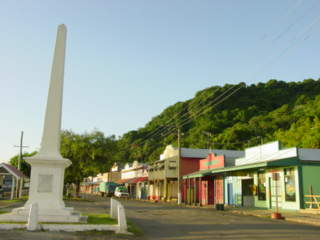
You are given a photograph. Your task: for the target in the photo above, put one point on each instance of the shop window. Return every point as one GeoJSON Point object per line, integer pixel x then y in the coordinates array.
{"type": "Point", "coordinates": [290, 185]}
{"type": "Point", "coordinates": [172, 164]}
{"type": "Point", "coordinates": [261, 186]}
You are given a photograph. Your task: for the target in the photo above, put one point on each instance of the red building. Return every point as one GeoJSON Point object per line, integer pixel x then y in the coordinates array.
{"type": "Point", "coordinates": [163, 174]}
{"type": "Point", "coordinates": [202, 187]}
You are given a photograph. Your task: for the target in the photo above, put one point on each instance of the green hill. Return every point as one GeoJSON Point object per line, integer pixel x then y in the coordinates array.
{"type": "Point", "coordinates": [214, 118]}
{"type": "Point", "coordinates": [261, 112]}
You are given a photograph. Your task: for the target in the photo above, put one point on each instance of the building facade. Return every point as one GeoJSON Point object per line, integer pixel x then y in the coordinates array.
{"type": "Point", "coordinates": [163, 174]}
{"type": "Point", "coordinates": [90, 185]}
{"type": "Point", "coordinates": [202, 187]}
{"type": "Point", "coordinates": [13, 183]}
{"type": "Point", "coordinates": [270, 176]}
{"type": "Point", "coordinates": [135, 177]}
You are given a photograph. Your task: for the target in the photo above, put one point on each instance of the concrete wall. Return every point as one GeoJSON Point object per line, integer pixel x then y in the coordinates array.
{"type": "Point", "coordinates": [233, 193]}
{"type": "Point", "coordinates": [189, 165]}
{"type": "Point", "coordinates": [310, 177]}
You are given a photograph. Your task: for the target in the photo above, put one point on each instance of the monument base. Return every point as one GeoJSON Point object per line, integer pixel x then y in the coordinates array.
{"type": "Point", "coordinates": [46, 190]}
{"type": "Point", "coordinates": [45, 215]}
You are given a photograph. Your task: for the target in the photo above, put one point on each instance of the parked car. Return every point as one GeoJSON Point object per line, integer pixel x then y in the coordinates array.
{"type": "Point", "coordinates": [121, 191]}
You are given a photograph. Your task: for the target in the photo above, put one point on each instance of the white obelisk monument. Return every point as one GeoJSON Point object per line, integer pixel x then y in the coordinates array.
{"type": "Point", "coordinates": [48, 166]}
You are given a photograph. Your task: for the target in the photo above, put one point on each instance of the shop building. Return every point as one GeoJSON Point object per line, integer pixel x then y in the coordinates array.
{"type": "Point", "coordinates": [13, 183]}
{"type": "Point", "coordinates": [163, 174]}
{"type": "Point", "coordinates": [269, 175]}
{"type": "Point", "coordinates": [90, 185]}
{"type": "Point", "coordinates": [135, 177]}
{"type": "Point", "coordinates": [204, 188]}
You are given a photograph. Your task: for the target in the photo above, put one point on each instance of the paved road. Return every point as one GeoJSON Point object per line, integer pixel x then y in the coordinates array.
{"type": "Point", "coordinates": [170, 222]}
{"type": "Point", "coordinates": [167, 222]}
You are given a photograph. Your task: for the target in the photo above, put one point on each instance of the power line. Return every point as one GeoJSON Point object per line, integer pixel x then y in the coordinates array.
{"type": "Point", "coordinates": [205, 110]}
{"type": "Point", "coordinates": [167, 129]}
{"type": "Point", "coordinates": [165, 125]}
{"type": "Point", "coordinates": [268, 63]}
{"type": "Point", "coordinates": [172, 127]}
{"type": "Point", "coordinates": [297, 20]}
{"type": "Point", "coordinates": [292, 43]}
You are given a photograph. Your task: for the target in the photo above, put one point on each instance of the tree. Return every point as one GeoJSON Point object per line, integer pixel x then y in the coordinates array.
{"type": "Point", "coordinates": [25, 167]}
{"type": "Point", "coordinates": [263, 111]}
{"type": "Point", "coordinates": [90, 154]}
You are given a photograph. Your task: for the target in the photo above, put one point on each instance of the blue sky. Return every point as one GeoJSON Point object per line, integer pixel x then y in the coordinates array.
{"type": "Point", "coordinates": [128, 60]}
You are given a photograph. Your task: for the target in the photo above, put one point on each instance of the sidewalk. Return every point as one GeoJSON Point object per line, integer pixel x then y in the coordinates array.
{"type": "Point", "coordinates": [306, 216]}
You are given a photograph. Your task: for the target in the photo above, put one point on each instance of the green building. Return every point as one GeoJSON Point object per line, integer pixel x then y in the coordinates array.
{"type": "Point", "coordinates": [269, 175]}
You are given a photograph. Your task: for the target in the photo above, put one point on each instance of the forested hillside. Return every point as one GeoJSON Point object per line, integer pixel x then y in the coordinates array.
{"type": "Point", "coordinates": [228, 117]}
{"type": "Point", "coordinates": [262, 112]}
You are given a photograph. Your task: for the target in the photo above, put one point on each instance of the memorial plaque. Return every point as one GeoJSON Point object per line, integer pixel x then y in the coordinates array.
{"type": "Point", "coordinates": [45, 183]}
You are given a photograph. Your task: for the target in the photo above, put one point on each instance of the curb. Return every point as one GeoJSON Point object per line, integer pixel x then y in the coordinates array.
{"type": "Point", "coordinates": [289, 219]}
{"type": "Point", "coordinates": [304, 221]}
{"type": "Point", "coordinates": [10, 205]}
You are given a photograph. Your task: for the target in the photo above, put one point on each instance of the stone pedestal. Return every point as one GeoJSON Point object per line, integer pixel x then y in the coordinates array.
{"type": "Point", "coordinates": [46, 189]}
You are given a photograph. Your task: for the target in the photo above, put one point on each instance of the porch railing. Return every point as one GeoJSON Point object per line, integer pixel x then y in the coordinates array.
{"type": "Point", "coordinates": [313, 201]}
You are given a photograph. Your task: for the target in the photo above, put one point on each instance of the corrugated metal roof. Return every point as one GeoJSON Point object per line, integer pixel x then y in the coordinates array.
{"type": "Point", "coordinates": [11, 169]}
{"type": "Point", "coordinates": [203, 153]}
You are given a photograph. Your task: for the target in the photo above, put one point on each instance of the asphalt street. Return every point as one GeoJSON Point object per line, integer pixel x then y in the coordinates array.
{"type": "Point", "coordinates": [171, 222]}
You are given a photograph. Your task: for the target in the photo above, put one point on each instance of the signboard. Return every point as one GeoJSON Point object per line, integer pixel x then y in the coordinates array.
{"type": "Point", "coordinates": [211, 162]}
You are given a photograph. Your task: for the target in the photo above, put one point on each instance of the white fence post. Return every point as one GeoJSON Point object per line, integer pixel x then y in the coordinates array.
{"type": "Point", "coordinates": [114, 208]}
{"type": "Point", "coordinates": [122, 221]}
{"type": "Point", "coordinates": [33, 224]}
{"type": "Point", "coordinates": [111, 207]}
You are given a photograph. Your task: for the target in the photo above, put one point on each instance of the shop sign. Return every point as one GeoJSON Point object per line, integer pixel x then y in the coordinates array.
{"type": "Point", "coordinates": [211, 162]}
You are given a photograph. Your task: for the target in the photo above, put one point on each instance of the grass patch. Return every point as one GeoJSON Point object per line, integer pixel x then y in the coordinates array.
{"type": "Point", "coordinates": [13, 222]}
{"type": "Point", "coordinates": [134, 229]}
{"type": "Point", "coordinates": [100, 219]}
{"type": "Point", "coordinates": [77, 199]}
{"type": "Point", "coordinates": [24, 198]}
{"type": "Point", "coordinates": [9, 201]}
{"type": "Point", "coordinates": [3, 212]}
{"type": "Point", "coordinates": [93, 218]}
{"type": "Point", "coordinates": [62, 223]}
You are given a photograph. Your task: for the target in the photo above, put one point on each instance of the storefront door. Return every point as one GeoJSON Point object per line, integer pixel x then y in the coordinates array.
{"type": "Point", "coordinates": [275, 192]}
{"type": "Point", "coordinates": [218, 190]}
{"type": "Point", "coordinates": [247, 193]}
{"type": "Point", "coordinates": [230, 194]}
{"type": "Point", "coordinates": [204, 192]}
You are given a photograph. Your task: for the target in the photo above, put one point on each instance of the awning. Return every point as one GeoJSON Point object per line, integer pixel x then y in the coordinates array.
{"type": "Point", "coordinates": [132, 180]}
{"type": "Point", "coordinates": [200, 173]}
{"type": "Point", "coordinates": [275, 163]}
{"type": "Point", "coordinates": [90, 183]}
{"type": "Point", "coordinates": [122, 181]}
{"type": "Point", "coordinates": [141, 179]}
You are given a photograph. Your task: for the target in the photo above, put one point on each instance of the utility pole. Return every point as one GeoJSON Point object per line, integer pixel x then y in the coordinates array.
{"type": "Point", "coordinates": [210, 144]}
{"type": "Point", "coordinates": [179, 166]}
{"type": "Point", "coordinates": [19, 182]}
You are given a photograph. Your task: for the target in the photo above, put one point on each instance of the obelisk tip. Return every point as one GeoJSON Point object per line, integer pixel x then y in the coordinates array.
{"type": "Point", "coordinates": [62, 27]}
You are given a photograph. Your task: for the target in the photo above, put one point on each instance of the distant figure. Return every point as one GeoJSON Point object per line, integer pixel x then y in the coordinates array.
{"type": "Point", "coordinates": [1, 192]}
